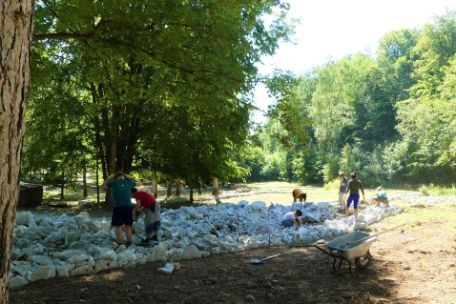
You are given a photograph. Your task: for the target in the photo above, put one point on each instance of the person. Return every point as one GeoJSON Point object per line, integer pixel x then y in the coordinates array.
{"type": "Point", "coordinates": [122, 215]}
{"type": "Point", "coordinates": [343, 182]}
{"type": "Point", "coordinates": [380, 196]}
{"type": "Point", "coordinates": [292, 218]}
{"type": "Point", "coordinates": [146, 202]}
{"type": "Point", "coordinates": [298, 194]}
{"type": "Point", "coordinates": [354, 187]}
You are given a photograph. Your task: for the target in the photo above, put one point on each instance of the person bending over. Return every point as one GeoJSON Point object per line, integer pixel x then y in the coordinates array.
{"type": "Point", "coordinates": [146, 203]}
{"type": "Point", "coordinates": [292, 218]}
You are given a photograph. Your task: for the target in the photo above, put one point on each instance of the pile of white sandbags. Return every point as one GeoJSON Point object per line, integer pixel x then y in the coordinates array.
{"type": "Point", "coordinates": [48, 246]}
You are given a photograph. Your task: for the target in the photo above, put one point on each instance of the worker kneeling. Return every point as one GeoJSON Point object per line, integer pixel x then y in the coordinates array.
{"type": "Point", "coordinates": [292, 218]}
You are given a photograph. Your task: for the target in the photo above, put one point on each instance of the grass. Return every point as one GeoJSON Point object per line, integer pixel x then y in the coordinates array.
{"type": "Point", "coordinates": [432, 189]}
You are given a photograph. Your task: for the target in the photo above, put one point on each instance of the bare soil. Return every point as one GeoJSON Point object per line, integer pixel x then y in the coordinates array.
{"type": "Point", "coordinates": [417, 265]}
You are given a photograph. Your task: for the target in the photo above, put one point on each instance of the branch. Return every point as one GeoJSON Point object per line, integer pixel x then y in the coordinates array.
{"type": "Point", "coordinates": [63, 36]}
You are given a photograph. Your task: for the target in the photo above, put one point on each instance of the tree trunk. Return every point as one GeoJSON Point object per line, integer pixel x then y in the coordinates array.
{"type": "Point", "coordinates": [178, 188]}
{"type": "Point", "coordinates": [155, 187]}
{"type": "Point", "coordinates": [84, 181]}
{"type": "Point", "coordinates": [15, 40]}
{"type": "Point", "coordinates": [191, 195]}
{"type": "Point", "coordinates": [97, 177]}
{"type": "Point", "coordinates": [215, 186]}
{"type": "Point", "coordinates": [169, 186]}
{"type": "Point", "coordinates": [62, 186]}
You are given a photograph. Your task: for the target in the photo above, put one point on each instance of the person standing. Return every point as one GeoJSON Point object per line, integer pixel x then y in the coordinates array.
{"type": "Point", "coordinates": [343, 183]}
{"type": "Point", "coordinates": [122, 215]}
{"type": "Point", "coordinates": [354, 187]}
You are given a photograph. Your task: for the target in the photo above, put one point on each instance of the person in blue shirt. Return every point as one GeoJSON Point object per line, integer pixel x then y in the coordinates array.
{"type": "Point", "coordinates": [122, 215]}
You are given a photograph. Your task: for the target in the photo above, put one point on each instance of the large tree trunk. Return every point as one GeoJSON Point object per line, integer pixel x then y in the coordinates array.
{"type": "Point", "coordinates": [215, 186]}
{"type": "Point", "coordinates": [84, 181]}
{"type": "Point", "coordinates": [62, 186]}
{"type": "Point", "coordinates": [15, 40]}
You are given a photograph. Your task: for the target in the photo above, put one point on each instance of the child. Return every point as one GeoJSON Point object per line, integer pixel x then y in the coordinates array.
{"type": "Point", "coordinates": [354, 186]}
{"type": "Point", "coordinates": [147, 203]}
{"type": "Point", "coordinates": [122, 215]}
{"type": "Point", "coordinates": [380, 197]}
{"type": "Point", "coordinates": [292, 217]}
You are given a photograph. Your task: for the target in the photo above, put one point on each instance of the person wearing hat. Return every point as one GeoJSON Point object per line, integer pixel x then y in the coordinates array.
{"type": "Point", "coordinates": [122, 215]}
{"type": "Point", "coordinates": [343, 183]}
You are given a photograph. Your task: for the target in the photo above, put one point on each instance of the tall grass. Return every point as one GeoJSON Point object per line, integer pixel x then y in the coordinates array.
{"type": "Point", "coordinates": [432, 189]}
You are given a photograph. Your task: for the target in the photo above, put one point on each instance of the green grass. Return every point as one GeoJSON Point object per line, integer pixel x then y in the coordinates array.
{"type": "Point", "coordinates": [431, 189]}
{"type": "Point", "coordinates": [73, 193]}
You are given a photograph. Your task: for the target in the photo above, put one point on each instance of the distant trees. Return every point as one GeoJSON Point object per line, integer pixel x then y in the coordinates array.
{"type": "Point", "coordinates": [391, 117]}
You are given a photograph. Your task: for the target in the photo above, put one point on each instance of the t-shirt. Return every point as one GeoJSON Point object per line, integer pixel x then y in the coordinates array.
{"type": "Point", "coordinates": [145, 199]}
{"type": "Point", "coordinates": [354, 186]}
{"type": "Point", "coordinates": [121, 190]}
{"type": "Point", "coordinates": [288, 216]}
{"type": "Point", "coordinates": [343, 185]}
{"type": "Point", "coordinates": [381, 194]}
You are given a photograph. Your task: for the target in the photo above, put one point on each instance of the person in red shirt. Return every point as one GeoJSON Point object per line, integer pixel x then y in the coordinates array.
{"type": "Point", "coordinates": [147, 203]}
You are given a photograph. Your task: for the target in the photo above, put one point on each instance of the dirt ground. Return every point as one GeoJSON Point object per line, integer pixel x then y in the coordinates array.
{"type": "Point", "coordinates": [416, 265]}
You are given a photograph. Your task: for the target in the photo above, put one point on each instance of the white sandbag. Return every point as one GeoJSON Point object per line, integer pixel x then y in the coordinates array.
{"type": "Point", "coordinates": [41, 260]}
{"type": "Point", "coordinates": [17, 282]}
{"type": "Point", "coordinates": [82, 270]}
{"type": "Point", "coordinates": [41, 273]}
{"type": "Point", "coordinates": [168, 268]}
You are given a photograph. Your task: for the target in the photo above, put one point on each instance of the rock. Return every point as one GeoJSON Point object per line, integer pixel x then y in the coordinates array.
{"type": "Point", "coordinates": [25, 218]}
{"type": "Point", "coordinates": [101, 265]}
{"type": "Point", "coordinates": [63, 270]}
{"type": "Point", "coordinates": [258, 206]}
{"type": "Point", "coordinates": [17, 282]}
{"type": "Point", "coordinates": [41, 273]}
{"type": "Point", "coordinates": [41, 260]}
{"type": "Point", "coordinates": [191, 253]}
{"type": "Point", "coordinates": [168, 268]}
{"type": "Point", "coordinates": [21, 267]}
{"type": "Point", "coordinates": [82, 270]}
{"type": "Point", "coordinates": [250, 298]}
{"type": "Point", "coordinates": [109, 255]}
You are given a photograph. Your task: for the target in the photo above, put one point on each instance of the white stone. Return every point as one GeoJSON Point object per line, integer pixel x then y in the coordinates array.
{"type": "Point", "coordinates": [168, 268]}
{"type": "Point", "coordinates": [41, 260]}
{"type": "Point", "coordinates": [192, 252]}
{"type": "Point", "coordinates": [82, 270]}
{"type": "Point", "coordinates": [41, 273]}
{"type": "Point", "coordinates": [17, 282]}
{"type": "Point", "coordinates": [101, 265]}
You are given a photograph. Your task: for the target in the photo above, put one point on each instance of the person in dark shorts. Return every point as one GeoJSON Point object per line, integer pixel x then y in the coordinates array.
{"type": "Point", "coordinates": [146, 203]}
{"type": "Point", "coordinates": [122, 215]}
{"type": "Point", "coordinates": [354, 187]}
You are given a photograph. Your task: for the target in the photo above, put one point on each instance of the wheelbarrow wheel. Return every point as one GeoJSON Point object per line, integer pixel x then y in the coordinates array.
{"type": "Point", "coordinates": [364, 261]}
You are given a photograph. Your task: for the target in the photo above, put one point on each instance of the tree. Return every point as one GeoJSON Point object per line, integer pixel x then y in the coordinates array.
{"type": "Point", "coordinates": [15, 40]}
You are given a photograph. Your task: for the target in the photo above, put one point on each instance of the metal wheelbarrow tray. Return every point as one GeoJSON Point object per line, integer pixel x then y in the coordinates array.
{"type": "Point", "coordinates": [352, 248]}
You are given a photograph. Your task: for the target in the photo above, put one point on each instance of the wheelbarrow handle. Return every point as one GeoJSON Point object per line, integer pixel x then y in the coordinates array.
{"type": "Point", "coordinates": [373, 235]}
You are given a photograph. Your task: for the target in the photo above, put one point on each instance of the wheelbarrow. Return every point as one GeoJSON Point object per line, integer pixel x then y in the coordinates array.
{"type": "Point", "coordinates": [352, 248]}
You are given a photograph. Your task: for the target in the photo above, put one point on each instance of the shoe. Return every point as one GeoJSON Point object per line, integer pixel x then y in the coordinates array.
{"type": "Point", "coordinates": [145, 241]}
{"type": "Point", "coordinates": [128, 244]}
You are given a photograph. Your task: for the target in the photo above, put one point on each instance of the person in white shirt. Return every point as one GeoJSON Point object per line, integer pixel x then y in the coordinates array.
{"type": "Point", "coordinates": [292, 218]}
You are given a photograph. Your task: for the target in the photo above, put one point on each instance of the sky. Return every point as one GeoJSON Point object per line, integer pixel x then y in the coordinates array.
{"type": "Point", "coordinates": [331, 29]}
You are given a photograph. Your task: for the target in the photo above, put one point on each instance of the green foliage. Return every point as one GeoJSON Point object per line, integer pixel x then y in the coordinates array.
{"type": "Point", "coordinates": [147, 85]}
{"type": "Point", "coordinates": [391, 118]}
{"type": "Point", "coordinates": [432, 189]}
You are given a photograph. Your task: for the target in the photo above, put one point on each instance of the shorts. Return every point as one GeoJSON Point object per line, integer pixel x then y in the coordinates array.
{"type": "Point", "coordinates": [353, 198]}
{"type": "Point", "coordinates": [153, 228]}
{"type": "Point", "coordinates": [122, 215]}
{"type": "Point", "coordinates": [287, 223]}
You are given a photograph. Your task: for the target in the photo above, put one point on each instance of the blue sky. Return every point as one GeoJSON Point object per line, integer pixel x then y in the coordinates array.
{"type": "Point", "coordinates": [331, 29]}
